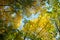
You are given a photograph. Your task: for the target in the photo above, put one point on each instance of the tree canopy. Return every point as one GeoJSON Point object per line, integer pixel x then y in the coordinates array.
{"type": "Point", "coordinates": [29, 19]}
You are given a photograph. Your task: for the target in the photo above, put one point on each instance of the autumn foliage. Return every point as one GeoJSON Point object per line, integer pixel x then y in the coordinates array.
{"type": "Point", "coordinates": [29, 20]}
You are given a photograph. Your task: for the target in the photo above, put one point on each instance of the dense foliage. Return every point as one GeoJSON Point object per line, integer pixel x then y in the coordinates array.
{"type": "Point", "coordinates": [29, 20]}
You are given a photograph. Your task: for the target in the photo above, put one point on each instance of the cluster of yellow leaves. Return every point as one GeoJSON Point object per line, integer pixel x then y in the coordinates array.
{"type": "Point", "coordinates": [17, 22]}
{"type": "Point", "coordinates": [8, 16]}
{"type": "Point", "coordinates": [41, 27]}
